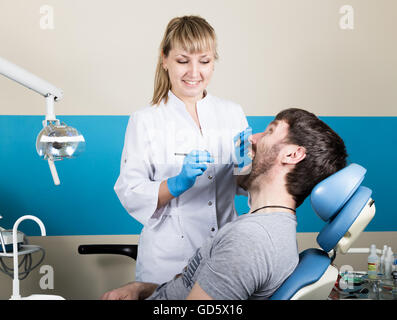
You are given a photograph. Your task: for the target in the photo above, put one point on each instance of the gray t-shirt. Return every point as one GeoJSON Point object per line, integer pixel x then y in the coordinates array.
{"type": "Point", "coordinates": [248, 258]}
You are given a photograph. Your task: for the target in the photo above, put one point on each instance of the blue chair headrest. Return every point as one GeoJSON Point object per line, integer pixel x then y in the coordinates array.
{"type": "Point", "coordinates": [331, 194]}
{"type": "Point", "coordinates": [336, 228]}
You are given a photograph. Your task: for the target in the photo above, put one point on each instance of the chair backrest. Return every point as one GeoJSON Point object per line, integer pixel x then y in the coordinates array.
{"type": "Point", "coordinates": [347, 208]}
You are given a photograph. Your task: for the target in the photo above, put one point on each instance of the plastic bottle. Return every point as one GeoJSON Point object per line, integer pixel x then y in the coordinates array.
{"type": "Point", "coordinates": [389, 261]}
{"type": "Point", "coordinates": [395, 263]}
{"type": "Point", "coordinates": [382, 260]}
{"type": "Point", "coordinates": [373, 262]}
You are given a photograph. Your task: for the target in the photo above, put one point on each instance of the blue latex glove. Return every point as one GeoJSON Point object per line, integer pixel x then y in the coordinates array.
{"type": "Point", "coordinates": [194, 165]}
{"type": "Point", "coordinates": [242, 148]}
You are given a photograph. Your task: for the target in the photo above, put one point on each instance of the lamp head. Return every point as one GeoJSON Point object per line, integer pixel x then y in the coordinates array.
{"type": "Point", "coordinates": [57, 141]}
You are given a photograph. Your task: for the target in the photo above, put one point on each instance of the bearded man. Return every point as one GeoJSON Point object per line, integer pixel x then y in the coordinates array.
{"type": "Point", "coordinates": [252, 256]}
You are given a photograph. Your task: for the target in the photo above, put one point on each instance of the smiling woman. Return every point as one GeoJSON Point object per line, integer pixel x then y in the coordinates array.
{"type": "Point", "coordinates": [189, 74]}
{"type": "Point", "coordinates": [181, 201]}
{"type": "Point", "coordinates": [185, 38]}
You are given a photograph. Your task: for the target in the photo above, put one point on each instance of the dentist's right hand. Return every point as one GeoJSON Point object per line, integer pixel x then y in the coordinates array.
{"type": "Point", "coordinates": [194, 165]}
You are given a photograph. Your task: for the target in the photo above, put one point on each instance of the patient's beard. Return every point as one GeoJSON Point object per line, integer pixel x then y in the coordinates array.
{"type": "Point", "coordinates": [261, 165]}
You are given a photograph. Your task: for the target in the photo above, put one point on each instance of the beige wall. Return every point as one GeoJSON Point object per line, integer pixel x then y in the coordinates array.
{"type": "Point", "coordinates": [273, 54]}
{"type": "Point", "coordinates": [89, 276]}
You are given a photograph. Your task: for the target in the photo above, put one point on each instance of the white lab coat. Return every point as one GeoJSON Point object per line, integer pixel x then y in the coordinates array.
{"type": "Point", "coordinates": [154, 134]}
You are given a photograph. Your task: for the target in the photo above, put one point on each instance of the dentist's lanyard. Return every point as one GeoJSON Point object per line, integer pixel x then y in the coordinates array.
{"type": "Point", "coordinates": [282, 207]}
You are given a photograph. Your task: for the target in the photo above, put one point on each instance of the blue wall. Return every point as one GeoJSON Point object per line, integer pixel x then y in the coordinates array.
{"type": "Point", "coordinates": [85, 203]}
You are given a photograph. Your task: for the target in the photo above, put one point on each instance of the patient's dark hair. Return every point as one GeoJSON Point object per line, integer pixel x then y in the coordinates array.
{"type": "Point", "coordinates": [325, 151]}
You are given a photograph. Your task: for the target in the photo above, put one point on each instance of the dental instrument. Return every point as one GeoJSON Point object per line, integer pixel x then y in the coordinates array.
{"type": "Point", "coordinates": [15, 283]}
{"type": "Point", "coordinates": [185, 154]}
{"type": "Point", "coordinates": [20, 247]}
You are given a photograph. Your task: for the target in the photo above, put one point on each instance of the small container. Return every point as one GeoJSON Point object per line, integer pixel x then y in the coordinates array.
{"type": "Point", "coordinates": [389, 261]}
{"type": "Point", "coordinates": [352, 281]}
{"type": "Point", "coordinates": [373, 262]}
{"type": "Point", "coordinates": [381, 268]}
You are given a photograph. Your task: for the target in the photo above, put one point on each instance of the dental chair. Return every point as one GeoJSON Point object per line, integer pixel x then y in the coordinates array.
{"type": "Point", "coordinates": [347, 208]}
{"type": "Point", "coordinates": [342, 203]}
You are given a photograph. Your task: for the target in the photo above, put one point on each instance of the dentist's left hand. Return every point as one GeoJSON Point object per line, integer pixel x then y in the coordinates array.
{"type": "Point", "coordinates": [194, 165]}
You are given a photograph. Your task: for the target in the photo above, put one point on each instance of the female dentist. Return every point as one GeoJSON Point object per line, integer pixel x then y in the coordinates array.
{"type": "Point", "coordinates": [176, 175]}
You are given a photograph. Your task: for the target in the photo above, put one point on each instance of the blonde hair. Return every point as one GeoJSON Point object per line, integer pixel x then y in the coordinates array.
{"type": "Point", "coordinates": [191, 33]}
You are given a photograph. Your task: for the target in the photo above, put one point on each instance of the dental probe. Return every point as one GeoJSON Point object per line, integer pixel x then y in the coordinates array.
{"type": "Point", "coordinates": [185, 154]}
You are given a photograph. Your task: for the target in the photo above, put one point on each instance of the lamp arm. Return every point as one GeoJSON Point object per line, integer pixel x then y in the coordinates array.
{"type": "Point", "coordinates": [29, 80]}
{"type": "Point", "coordinates": [363, 250]}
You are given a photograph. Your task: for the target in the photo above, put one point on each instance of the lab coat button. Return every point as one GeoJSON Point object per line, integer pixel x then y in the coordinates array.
{"type": "Point", "coordinates": [210, 177]}
{"type": "Point", "coordinates": [212, 229]}
{"type": "Point", "coordinates": [210, 203]}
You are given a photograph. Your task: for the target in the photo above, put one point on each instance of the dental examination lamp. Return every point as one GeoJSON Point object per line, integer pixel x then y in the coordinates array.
{"type": "Point", "coordinates": [56, 140]}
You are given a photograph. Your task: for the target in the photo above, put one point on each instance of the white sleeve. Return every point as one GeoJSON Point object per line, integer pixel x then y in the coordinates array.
{"type": "Point", "coordinates": [135, 187]}
{"type": "Point", "coordinates": [243, 118]}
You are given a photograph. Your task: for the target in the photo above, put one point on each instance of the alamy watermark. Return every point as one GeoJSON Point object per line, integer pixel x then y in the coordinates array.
{"type": "Point", "coordinates": [47, 280]}
{"type": "Point", "coordinates": [47, 17]}
{"type": "Point", "coordinates": [346, 21]}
